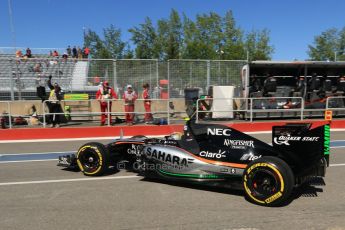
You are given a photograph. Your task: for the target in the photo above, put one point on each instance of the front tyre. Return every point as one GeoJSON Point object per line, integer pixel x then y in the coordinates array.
{"type": "Point", "coordinates": [93, 159]}
{"type": "Point", "coordinates": [268, 181]}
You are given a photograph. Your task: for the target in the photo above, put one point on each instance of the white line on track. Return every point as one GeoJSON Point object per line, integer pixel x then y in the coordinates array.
{"type": "Point", "coordinates": [19, 154]}
{"type": "Point", "coordinates": [25, 161]}
{"type": "Point", "coordinates": [68, 180]}
{"type": "Point", "coordinates": [336, 165]}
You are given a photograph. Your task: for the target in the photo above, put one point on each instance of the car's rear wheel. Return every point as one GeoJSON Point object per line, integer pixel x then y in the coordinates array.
{"type": "Point", "coordinates": [268, 181]}
{"type": "Point", "coordinates": [93, 159]}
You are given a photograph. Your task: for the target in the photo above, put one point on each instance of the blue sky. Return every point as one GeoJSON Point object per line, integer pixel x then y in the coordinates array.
{"type": "Point", "coordinates": [58, 23]}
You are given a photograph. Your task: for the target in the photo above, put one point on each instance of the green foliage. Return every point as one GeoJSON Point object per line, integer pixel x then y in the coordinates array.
{"type": "Point", "coordinates": [209, 36]}
{"type": "Point", "coordinates": [110, 47]}
{"type": "Point", "coordinates": [169, 36]}
{"type": "Point", "coordinates": [145, 39]}
{"type": "Point", "coordinates": [328, 45]}
{"type": "Point", "coordinates": [325, 45]}
{"type": "Point", "coordinates": [113, 43]}
{"type": "Point", "coordinates": [257, 44]}
{"type": "Point", "coordinates": [233, 44]}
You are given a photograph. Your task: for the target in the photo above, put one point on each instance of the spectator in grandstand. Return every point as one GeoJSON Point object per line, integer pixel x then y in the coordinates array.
{"type": "Point", "coordinates": [50, 53]}
{"type": "Point", "coordinates": [65, 56]}
{"type": "Point", "coordinates": [129, 97]}
{"type": "Point", "coordinates": [28, 53]}
{"type": "Point", "coordinates": [55, 54]}
{"type": "Point", "coordinates": [104, 94]}
{"type": "Point", "coordinates": [55, 96]}
{"type": "Point", "coordinates": [69, 51]}
{"type": "Point", "coordinates": [147, 103]}
{"type": "Point", "coordinates": [38, 68]}
{"type": "Point", "coordinates": [74, 52]}
{"type": "Point", "coordinates": [86, 52]}
{"type": "Point", "coordinates": [80, 53]}
{"type": "Point", "coordinates": [19, 54]}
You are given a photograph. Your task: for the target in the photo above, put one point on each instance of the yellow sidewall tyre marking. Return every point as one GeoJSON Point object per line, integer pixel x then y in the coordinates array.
{"type": "Point", "coordinates": [99, 155]}
{"type": "Point", "coordinates": [274, 196]}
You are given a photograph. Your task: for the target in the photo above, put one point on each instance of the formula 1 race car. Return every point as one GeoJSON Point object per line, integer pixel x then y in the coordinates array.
{"type": "Point", "coordinates": [218, 155]}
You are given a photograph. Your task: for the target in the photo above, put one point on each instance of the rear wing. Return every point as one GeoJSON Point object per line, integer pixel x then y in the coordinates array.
{"type": "Point", "coordinates": [309, 145]}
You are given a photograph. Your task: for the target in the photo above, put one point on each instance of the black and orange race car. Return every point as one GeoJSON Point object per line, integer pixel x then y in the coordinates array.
{"type": "Point", "coordinates": [219, 155]}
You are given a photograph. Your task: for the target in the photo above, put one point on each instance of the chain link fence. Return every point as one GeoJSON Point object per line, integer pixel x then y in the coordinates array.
{"type": "Point", "coordinates": [20, 77]}
{"type": "Point", "coordinates": [202, 74]}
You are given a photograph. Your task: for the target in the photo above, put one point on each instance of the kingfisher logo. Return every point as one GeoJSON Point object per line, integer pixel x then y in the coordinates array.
{"type": "Point", "coordinates": [218, 132]}
{"type": "Point", "coordinates": [238, 144]}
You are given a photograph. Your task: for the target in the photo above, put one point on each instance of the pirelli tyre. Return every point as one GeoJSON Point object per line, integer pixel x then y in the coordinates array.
{"type": "Point", "coordinates": [268, 181]}
{"type": "Point", "coordinates": [93, 159]}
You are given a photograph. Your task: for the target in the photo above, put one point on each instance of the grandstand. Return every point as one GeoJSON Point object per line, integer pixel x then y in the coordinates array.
{"type": "Point", "coordinates": [25, 71]}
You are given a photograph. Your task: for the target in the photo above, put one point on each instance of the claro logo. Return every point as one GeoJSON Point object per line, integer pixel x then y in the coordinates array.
{"type": "Point", "coordinates": [218, 132]}
{"type": "Point", "coordinates": [220, 154]}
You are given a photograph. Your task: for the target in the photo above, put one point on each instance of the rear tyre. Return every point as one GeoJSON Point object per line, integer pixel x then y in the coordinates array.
{"type": "Point", "coordinates": [93, 159]}
{"type": "Point", "coordinates": [268, 181]}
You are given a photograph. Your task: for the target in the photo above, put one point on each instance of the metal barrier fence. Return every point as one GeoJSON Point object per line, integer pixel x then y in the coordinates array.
{"type": "Point", "coordinates": [242, 108]}
{"type": "Point", "coordinates": [202, 74]}
{"type": "Point", "coordinates": [119, 111]}
{"type": "Point", "coordinates": [248, 106]}
{"type": "Point", "coordinates": [168, 79]}
{"type": "Point", "coordinates": [6, 113]}
{"type": "Point", "coordinates": [335, 103]}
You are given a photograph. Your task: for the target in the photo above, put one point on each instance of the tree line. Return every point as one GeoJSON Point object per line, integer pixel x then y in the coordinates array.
{"type": "Point", "coordinates": [209, 36]}
{"type": "Point", "coordinates": [328, 46]}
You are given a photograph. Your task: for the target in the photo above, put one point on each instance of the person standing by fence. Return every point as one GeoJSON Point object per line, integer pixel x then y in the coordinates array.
{"type": "Point", "coordinates": [104, 94]}
{"type": "Point", "coordinates": [54, 106]}
{"type": "Point", "coordinates": [40, 88]}
{"type": "Point", "coordinates": [129, 97]}
{"type": "Point", "coordinates": [147, 103]}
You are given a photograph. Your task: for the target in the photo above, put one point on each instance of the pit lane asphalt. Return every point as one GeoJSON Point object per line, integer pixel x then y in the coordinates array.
{"type": "Point", "coordinates": [124, 201]}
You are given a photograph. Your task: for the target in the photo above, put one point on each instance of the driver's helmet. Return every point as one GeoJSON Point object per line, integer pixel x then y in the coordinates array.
{"type": "Point", "coordinates": [175, 136]}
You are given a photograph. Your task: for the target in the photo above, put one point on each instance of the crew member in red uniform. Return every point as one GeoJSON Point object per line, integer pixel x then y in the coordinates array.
{"type": "Point", "coordinates": [147, 103]}
{"type": "Point", "coordinates": [129, 97]}
{"type": "Point", "coordinates": [103, 94]}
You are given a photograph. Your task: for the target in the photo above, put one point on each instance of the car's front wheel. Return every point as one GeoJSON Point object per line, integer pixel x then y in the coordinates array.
{"type": "Point", "coordinates": [93, 159]}
{"type": "Point", "coordinates": [268, 181]}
